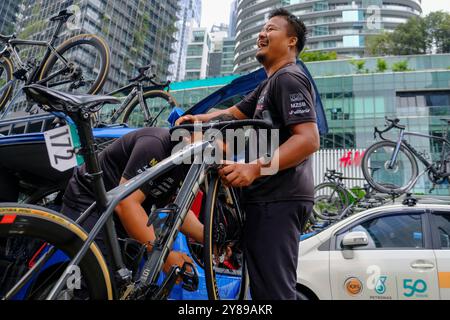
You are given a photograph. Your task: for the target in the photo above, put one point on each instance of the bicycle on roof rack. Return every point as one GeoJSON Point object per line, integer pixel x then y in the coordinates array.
{"type": "Point", "coordinates": [58, 67]}
{"type": "Point", "coordinates": [391, 166]}
{"type": "Point", "coordinates": [136, 109]}
{"type": "Point", "coordinates": [333, 200]}
{"type": "Point", "coordinates": [55, 233]}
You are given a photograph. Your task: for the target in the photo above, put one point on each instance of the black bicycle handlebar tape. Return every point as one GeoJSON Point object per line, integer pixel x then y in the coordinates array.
{"type": "Point", "coordinates": [267, 123]}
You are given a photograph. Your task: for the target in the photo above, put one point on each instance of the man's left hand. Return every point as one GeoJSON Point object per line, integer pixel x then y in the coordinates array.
{"type": "Point", "coordinates": [239, 174]}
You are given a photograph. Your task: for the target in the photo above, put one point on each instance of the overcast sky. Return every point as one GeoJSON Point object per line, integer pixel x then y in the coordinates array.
{"type": "Point", "coordinates": [217, 11]}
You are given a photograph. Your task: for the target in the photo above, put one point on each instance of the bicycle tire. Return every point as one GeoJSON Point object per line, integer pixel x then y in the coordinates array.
{"type": "Point", "coordinates": [7, 65]}
{"type": "Point", "coordinates": [90, 39]}
{"type": "Point", "coordinates": [36, 223]}
{"type": "Point", "coordinates": [343, 200]}
{"type": "Point", "coordinates": [152, 94]}
{"type": "Point", "coordinates": [211, 216]}
{"type": "Point", "coordinates": [387, 187]}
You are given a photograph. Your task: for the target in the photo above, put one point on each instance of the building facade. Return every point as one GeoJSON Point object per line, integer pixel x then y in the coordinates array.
{"type": "Point", "coordinates": [138, 32]}
{"type": "Point", "coordinates": [357, 102]}
{"type": "Point", "coordinates": [197, 59]}
{"type": "Point", "coordinates": [217, 35]}
{"type": "Point", "coordinates": [227, 64]}
{"type": "Point", "coordinates": [9, 10]}
{"type": "Point", "coordinates": [333, 25]}
{"type": "Point", "coordinates": [188, 17]}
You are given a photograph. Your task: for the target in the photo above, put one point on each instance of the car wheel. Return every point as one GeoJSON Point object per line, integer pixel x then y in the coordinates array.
{"type": "Point", "coordinates": [301, 296]}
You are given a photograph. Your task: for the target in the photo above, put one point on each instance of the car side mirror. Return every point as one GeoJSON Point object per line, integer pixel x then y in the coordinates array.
{"type": "Point", "coordinates": [355, 239]}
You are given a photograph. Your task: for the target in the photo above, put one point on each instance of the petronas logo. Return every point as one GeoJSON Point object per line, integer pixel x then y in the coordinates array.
{"type": "Point", "coordinates": [380, 286]}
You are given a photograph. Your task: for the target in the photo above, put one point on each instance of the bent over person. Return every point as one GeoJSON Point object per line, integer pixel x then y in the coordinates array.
{"type": "Point", "coordinates": [276, 206]}
{"type": "Point", "coordinates": [122, 160]}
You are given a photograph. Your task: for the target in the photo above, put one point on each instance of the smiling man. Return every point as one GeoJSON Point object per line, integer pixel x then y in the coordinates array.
{"type": "Point", "coordinates": [276, 206]}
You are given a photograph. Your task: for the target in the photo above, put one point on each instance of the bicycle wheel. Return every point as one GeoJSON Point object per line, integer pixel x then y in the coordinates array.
{"type": "Point", "coordinates": [26, 231]}
{"type": "Point", "coordinates": [375, 167]}
{"type": "Point", "coordinates": [6, 70]}
{"type": "Point", "coordinates": [222, 252]}
{"type": "Point", "coordinates": [86, 65]}
{"type": "Point", "coordinates": [159, 103]}
{"type": "Point", "coordinates": [329, 201]}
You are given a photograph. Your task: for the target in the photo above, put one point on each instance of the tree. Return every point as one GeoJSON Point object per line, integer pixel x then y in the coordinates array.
{"type": "Point", "coordinates": [417, 36]}
{"type": "Point", "coordinates": [410, 37]}
{"type": "Point", "coordinates": [438, 31]}
{"type": "Point", "coordinates": [317, 56]}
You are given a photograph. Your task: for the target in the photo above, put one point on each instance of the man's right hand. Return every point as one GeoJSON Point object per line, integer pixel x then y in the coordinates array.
{"type": "Point", "coordinates": [187, 118]}
{"type": "Point", "coordinates": [176, 258]}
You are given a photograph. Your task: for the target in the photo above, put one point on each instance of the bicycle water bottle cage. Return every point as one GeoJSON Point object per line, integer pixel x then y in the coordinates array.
{"type": "Point", "coordinates": [133, 253]}
{"type": "Point", "coordinates": [162, 220]}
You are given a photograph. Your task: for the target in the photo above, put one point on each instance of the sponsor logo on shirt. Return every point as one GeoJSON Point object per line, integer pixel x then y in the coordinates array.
{"type": "Point", "coordinates": [296, 97]}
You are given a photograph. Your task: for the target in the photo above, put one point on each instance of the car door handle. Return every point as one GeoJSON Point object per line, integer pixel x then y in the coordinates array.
{"type": "Point", "coordinates": [422, 265]}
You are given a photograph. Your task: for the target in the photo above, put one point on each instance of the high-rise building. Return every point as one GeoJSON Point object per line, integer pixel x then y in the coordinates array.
{"type": "Point", "coordinates": [227, 57]}
{"type": "Point", "coordinates": [333, 25]}
{"type": "Point", "coordinates": [217, 35]}
{"type": "Point", "coordinates": [188, 17]}
{"type": "Point", "coordinates": [233, 19]}
{"type": "Point", "coordinates": [138, 32]}
{"type": "Point", "coordinates": [8, 15]}
{"type": "Point", "coordinates": [198, 54]}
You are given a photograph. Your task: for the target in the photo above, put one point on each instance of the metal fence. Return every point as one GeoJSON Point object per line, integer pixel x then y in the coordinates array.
{"type": "Point", "coordinates": [347, 161]}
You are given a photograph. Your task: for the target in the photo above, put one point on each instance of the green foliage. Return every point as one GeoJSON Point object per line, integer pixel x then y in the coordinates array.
{"type": "Point", "coordinates": [400, 66]}
{"type": "Point", "coordinates": [31, 28]}
{"type": "Point", "coordinates": [317, 56]}
{"type": "Point", "coordinates": [359, 65]}
{"type": "Point", "coordinates": [418, 35]}
{"type": "Point", "coordinates": [381, 65]}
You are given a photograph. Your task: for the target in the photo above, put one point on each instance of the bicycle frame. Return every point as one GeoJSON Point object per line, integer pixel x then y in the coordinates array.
{"type": "Point", "coordinates": [428, 165]}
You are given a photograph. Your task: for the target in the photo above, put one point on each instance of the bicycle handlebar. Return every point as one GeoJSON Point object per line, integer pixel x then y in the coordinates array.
{"type": "Point", "coordinates": [390, 123]}
{"type": "Point", "coordinates": [265, 123]}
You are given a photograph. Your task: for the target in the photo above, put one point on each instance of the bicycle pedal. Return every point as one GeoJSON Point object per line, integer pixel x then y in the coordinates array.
{"type": "Point", "coordinates": [190, 279]}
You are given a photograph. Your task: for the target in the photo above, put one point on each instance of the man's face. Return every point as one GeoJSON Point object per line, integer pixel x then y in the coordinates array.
{"type": "Point", "coordinates": [274, 41]}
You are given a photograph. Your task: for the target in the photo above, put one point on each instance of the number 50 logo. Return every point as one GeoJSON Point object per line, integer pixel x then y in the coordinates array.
{"type": "Point", "coordinates": [419, 286]}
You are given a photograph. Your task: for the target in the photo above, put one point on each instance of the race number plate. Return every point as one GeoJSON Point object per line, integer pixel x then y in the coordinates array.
{"type": "Point", "coordinates": [61, 145]}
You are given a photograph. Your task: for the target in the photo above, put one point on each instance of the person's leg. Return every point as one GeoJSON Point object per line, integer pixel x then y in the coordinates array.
{"type": "Point", "coordinates": [271, 239]}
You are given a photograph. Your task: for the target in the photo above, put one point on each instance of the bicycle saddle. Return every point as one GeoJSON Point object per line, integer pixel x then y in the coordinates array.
{"type": "Point", "coordinates": [6, 38]}
{"type": "Point", "coordinates": [141, 75]}
{"type": "Point", "coordinates": [61, 101]}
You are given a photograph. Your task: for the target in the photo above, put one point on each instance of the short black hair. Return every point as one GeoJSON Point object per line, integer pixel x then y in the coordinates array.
{"type": "Point", "coordinates": [298, 28]}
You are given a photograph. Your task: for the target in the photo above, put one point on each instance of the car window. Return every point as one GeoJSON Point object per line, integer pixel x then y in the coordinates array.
{"type": "Point", "coordinates": [442, 223]}
{"type": "Point", "coordinates": [391, 232]}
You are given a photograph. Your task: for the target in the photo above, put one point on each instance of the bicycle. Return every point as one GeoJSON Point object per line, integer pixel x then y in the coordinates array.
{"type": "Point", "coordinates": [333, 201]}
{"type": "Point", "coordinates": [57, 67]}
{"type": "Point", "coordinates": [391, 166]}
{"type": "Point", "coordinates": [58, 232]}
{"type": "Point", "coordinates": [140, 96]}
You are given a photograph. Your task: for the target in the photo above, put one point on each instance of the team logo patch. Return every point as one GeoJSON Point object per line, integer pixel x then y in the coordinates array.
{"type": "Point", "coordinates": [296, 97]}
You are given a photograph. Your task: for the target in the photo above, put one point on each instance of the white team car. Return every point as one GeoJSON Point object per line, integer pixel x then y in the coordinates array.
{"type": "Point", "coordinates": [387, 253]}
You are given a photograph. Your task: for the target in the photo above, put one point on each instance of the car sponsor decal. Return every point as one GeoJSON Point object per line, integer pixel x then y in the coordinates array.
{"type": "Point", "coordinates": [415, 288]}
{"type": "Point", "coordinates": [444, 280]}
{"type": "Point", "coordinates": [353, 286]}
